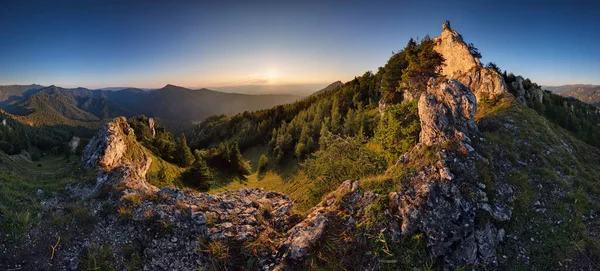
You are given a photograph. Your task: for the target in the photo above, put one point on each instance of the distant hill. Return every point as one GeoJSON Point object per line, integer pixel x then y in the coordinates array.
{"type": "Point", "coordinates": [585, 93]}
{"type": "Point", "coordinates": [331, 86]}
{"type": "Point", "coordinates": [175, 106]}
{"type": "Point", "coordinates": [291, 89]}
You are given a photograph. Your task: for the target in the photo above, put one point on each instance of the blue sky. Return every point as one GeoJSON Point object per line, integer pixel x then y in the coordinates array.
{"type": "Point", "coordinates": [223, 43]}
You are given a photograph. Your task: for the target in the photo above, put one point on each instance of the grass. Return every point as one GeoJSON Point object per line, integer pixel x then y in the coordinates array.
{"type": "Point", "coordinates": [162, 173]}
{"type": "Point", "coordinates": [97, 258]}
{"type": "Point", "coordinates": [20, 181]}
{"type": "Point", "coordinates": [549, 165]}
{"type": "Point", "coordinates": [286, 178]}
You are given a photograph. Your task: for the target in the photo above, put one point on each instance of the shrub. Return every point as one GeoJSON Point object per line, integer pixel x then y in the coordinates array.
{"type": "Point", "coordinates": [341, 159]}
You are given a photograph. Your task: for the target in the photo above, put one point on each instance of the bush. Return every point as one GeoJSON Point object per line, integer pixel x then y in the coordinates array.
{"type": "Point", "coordinates": [341, 159]}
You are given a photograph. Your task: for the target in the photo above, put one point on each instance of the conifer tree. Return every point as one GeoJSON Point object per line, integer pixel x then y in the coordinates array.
{"type": "Point", "coordinates": [183, 153]}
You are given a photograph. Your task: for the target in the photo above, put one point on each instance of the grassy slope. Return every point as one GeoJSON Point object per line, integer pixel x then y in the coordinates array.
{"type": "Point", "coordinates": [163, 173]}
{"type": "Point", "coordinates": [547, 165]}
{"type": "Point", "coordinates": [20, 181]}
{"type": "Point", "coordinates": [286, 179]}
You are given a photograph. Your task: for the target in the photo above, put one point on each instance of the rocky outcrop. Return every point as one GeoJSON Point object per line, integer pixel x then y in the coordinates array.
{"type": "Point", "coordinates": [177, 227]}
{"type": "Point", "coordinates": [433, 201]}
{"type": "Point", "coordinates": [446, 112]}
{"type": "Point", "coordinates": [151, 127]}
{"type": "Point", "coordinates": [527, 91]}
{"type": "Point", "coordinates": [457, 57]}
{"type": "Point", "coordinates": [74, 144]}
{"type": "Point", "coordinates": [348, 199]}
{"type": "Point", "coordinates": [121, 161]}
{"type": "Point", "coordinates": [462, 66]}
{"type": "Point", "coordinates": [199, 219]}
{"type": "Point", "coordinates": [483, 82]}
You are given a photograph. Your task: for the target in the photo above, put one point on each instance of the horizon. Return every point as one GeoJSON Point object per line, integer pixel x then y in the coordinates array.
{"type": "Point", "coordinates": [229, 45]}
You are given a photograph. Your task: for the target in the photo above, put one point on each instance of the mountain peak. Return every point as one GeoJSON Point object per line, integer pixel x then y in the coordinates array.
{"type": "Point", "coordinates": [462, 64]}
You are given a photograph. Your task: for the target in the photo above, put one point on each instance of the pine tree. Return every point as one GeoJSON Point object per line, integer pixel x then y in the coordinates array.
{"type": "Point", "coordinates": [183, 153]}
{"type": "Point", "coordinates": [336, 117]}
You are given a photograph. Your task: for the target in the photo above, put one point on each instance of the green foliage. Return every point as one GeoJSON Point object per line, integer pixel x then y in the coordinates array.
{"type": "Point", "coordinates": [183, 154]}
{"type": "Point", "coordinates": [97, 258]}
{"type": "Point", "coordinates": [199, 175]}
{"type": "Point", "coordinates": [423, 63]}
{"type": "Point", "coordinates": [263, 163]}
{"type": "Point", "coordinates": [493, 66]}
{"type": "Point", "coordinates": [473, 50]}
{"type": "Point", "coordinates": [340, 159]}
{"type": "Point", "coordinates": [139, 124]}
{"type": "Point", "coordinates": [294, 130]}
{"type": "Point", "coordinates": [228, 157]}
{"type": "Point", "coordinates": [19, 202]}
{"type": "Point", "coordinates": [399, 128]}
{"type": "Point", "coordinates": [16, 137]}
{"type": "Point", "coordinates": [573, 115]}
{"type": "Point", "coordinates": [392, 74]}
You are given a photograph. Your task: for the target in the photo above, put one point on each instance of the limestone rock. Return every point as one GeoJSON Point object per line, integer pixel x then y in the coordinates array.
{"type": "Point", "coordinates": [446, 112]}
{"type": "Point", "coordinates": [531, 92]}
{"type": "Point", "coordinates": [458, 58]}
{"type": "Point", "coordinates": [483, 82]}
{"type": "Point", "coordinates": [106, 149]}
{"type": "Point", "coordinates": [151, 126]}
{"type": "Point", "coordinates": [120, 160]}
{"type": "Point", "coordinates": [74, 143]}
{"type": "Point", "coordinates": [348, 197]}
{"type": "Point", "coordinates": [460, 65]}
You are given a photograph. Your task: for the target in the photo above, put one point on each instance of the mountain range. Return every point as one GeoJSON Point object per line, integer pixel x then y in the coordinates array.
{"type": "Point", "coordinates": [585, 93]}
{"type": "Point", "coordinates": [175, 106]}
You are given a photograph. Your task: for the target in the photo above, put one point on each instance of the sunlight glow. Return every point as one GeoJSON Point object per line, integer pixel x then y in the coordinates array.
{"type": "Point", "coordinates": [272, 77]}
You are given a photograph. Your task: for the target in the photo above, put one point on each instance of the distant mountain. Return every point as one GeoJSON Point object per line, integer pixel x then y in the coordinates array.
{"type": "Point", "coordinates": [585, 93]}
{"type": "Point", "coordinates": [174, 105]}
{"type": "Point", "coordinates": [331, 86]}
{"type": "Point", "coordinates": [291, 89]}
{"type": "Point", "coordinates": [11, 92]}
{"type": "Point", "coordinates": [119, 88]}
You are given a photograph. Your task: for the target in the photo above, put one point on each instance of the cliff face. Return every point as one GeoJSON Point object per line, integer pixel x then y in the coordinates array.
{"type": "Point", "coordinates": [462, 66]}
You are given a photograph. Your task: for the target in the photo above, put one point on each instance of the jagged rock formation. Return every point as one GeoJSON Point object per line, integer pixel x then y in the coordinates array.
{"type": "Point", "coordinates": [349, 198]}
{"type": "Point", "coordinates": [531, 92]}
{"type": "Point", "coordinates": [456, 54]}
{"type": "Point", "coordinates": [462, 66]}
{"type": "Point", "coordinates": [447, 112]}
{"type": "Point", "coordinates": [433, 201]}
{"type": "Point", "coordinates": [151, 127]}
{"type": "Point", "coordinates": [121, 161]}
{"type": "Point", "coordinates": [194, 220]}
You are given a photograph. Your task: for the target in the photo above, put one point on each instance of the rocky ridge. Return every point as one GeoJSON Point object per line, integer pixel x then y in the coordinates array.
{"type": "Point", "coordinates": [434, 201]}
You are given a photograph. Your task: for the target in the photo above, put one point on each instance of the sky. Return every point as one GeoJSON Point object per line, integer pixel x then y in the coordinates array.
{"type": "Point", "coordinates": [195, 44]}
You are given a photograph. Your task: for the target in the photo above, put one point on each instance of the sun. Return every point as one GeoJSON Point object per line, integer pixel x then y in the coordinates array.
{"type": "Point", "coordinates": [272, 77]}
